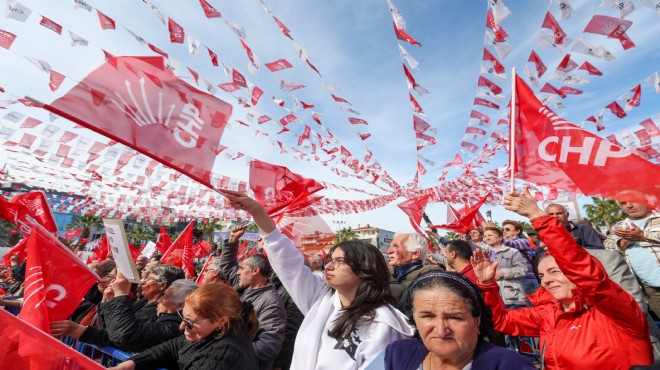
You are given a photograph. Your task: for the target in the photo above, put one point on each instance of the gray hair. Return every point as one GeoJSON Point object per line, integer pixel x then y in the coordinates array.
{"type": "Point", "coordinates": [214, 265]}
{"type": "Point", "coordinates": [180, 289]}
{"type": "Point", "coordinates": [259, 260]}
{"type": "Point", "coordinates": [316, 258]}
{"type": "Point", "coordinates": [415, 242]}
{"type": "Point", "coordinates": [166, 274]}
{"type": "Point", "coordinates": [557, 205]}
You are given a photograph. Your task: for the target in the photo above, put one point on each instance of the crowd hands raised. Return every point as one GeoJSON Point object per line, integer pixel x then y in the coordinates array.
{"type": "Point", "coordinates": [588, 299]}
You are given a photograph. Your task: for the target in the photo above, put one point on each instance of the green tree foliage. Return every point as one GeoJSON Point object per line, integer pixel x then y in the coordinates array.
{"type": "Point", "coordinates": [10, 234]}
{"type": "Point", "coordinates": [604, 212]}
{"type": "Point", "coordinates": [208, 229]}
{"type": "Point", "coordinates": [344, 234]}
{"type": "Point", "coordinates": [85, 222]}
{"type": "Point", "coordinates": [452, 236]}
{"type": "Point", "coordinates": [137, 235]}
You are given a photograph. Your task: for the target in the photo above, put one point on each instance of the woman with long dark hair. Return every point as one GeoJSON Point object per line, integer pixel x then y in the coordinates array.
{"type": "Point", "coordinates": [349, 318]}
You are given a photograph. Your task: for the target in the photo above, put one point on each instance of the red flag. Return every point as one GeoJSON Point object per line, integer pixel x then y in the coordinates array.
{"type": "Point", "coordinates": [248, 51]}
{"type": "Point", "coordinates": [339, 99]}
{"type": "Point", "coordinates": [616, 109]}
{"type": "Point", "coordinates": [483, 81]}
{"type": "Point", "coordinates": [650, 127]}
{"type": "Point", "coordinates": [485, 103]}
{"type": "Point", "coordinates": [256, 95]}
{"type": "Point", "coordinates": [209, 10]}
{"type": "Point", "coordinates": [551, 23]}
{"type": "Point", "coordinates": [611, 27]}
{"type": "Point", "coordinates": [56, 280]}
{"type": "Point", "coordinates": [51, 25]}
{"type": "Point", "coordinates": [419, 125]}
{"type": "Point", "coordinates": [56, 80]}
{"type": "Point", "coordinates": [29, 207]}
{"type": "Point", "coordinates": [200, 277]}
{"type": "Point", "coordinates": [357, 121]}
{"type": "Point", "coordinates": [567, 64]}
{"type": "Point", "coordinates": [100, 253]}
{"type": "Point", "coordinates": [25, 347]}
{"type": "Point", "coordinates": [465, 221]}
{"type": "Point", "coordinates": [276, 187]}
{"type": "Point", "coordinates": [20, 250]}
{"type": "Point", "coordinates": [586, 66]}
{"type": "Point", "coordinates": [6, 39]}
{"type": "Point", "coordinates": [163, 243]}
{"type": "Point", "coordinates": [182, 137]}
{"type": "Point", "coordinates": [305, 135]}
{"type": "Point", "coordinates": [636, 98]}
{"type": "Point", "coordinates": [72, 234]}
{"type": "Point", "coordinates": [414, 209]}
{"type": "Point", "coordinates": [107, 23]}
{"type": "Point", "coordinates": [180, 253]}
{"type": "Point", "coordinates": [500, 33]}
{"type": "Point", "coordinates": [402, 35]}
{"type": "Point", "coordinates": [556, 153]}
{"type": "Point", "coordinates": [499, 68]}
{"type": "Point", "coordinates": [202, 249]}
{"type": "Point", "coordinates": [540, 66]}
{"type": "Point", "coordinates": [177, 35]}
{"type": "Point", "coordinates": [283, 28]}
{"type": "Point", "coordinates": [213, 56]}
{"type": "Point", "coordinates": [416, 107]}
{"type": "Point", "coordinates": [242, 251]}
{"type": "Point", "coordinates": [553, 90]}
{"type": "Point", "coordinates": [278, 65]}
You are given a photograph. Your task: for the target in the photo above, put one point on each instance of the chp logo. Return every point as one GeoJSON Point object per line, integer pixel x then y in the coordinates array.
{"type": "Point", "coordinates": [557, 148]}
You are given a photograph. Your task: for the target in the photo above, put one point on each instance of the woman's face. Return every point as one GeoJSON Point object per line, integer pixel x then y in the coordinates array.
{"type": "Point", "coordinates": [166, 304]}
{"type": "Point", "coordinates": [554, 280]}
{"type": "Point", "coordinates": [201, 326]}
{"type": "Point", "coordinates": [445, 325]}
{"type": "Point", "coordinates": [492, 238]}
{"type": "Point", "coordinates": [151, 288]}
{"type": "Point", "coordinates": [475, 236]}
{"type": "Point", "coordinates": [338, 273]}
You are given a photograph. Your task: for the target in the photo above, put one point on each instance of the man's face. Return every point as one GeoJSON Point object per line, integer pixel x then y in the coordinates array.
{"type": "Point", "coordinates": [398, 252]}
{"type": "Point", "coordinates": [449, 256]}
{"type": "Point", "coordinates": [634, 210]}
{"type": "Point", "coordinates": [558, 212]}
{"type": "Point", "coordinates": [245, 275]}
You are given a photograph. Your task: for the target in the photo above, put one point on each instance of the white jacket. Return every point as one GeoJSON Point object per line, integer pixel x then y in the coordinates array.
{"type": "Point", "coordinates": [314, 349]}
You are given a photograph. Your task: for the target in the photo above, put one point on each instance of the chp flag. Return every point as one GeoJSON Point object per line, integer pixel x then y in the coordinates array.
{"type": "Point", "coordinates": [140, 103]}
{"type": "Point", "coordinates": [551, 151]}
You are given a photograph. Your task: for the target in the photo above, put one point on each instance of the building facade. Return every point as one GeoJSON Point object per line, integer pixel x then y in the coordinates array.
{"type": "Point", "coordinates": [379, 237]}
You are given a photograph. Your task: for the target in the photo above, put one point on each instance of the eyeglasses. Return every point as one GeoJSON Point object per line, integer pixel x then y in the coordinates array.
{"type": "Point", "coordinates": [189, 324]}
{"type": "Point", "coordinates": [507, 229]}
{"type": "Point", "coordinates": [336, 262]}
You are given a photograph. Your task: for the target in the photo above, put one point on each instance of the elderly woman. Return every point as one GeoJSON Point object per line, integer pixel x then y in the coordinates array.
{"type": "Point", "coordinates": [584, 319]}
{"type": "Point", "coordinates": [123, 330]}
{"type": "Point", "coordinates": [450, 315]}
{"type": "Point", "coordinates": [348, 321]}
{"type": "Point", "coordinates": [512, 268]}
{"type": "Point", "coordinates": [152, 287]}
{"type": "Point", "coordinates": [218, 330]}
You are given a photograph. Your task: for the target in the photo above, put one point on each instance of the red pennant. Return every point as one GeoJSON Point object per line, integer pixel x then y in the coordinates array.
{"type": "Point", "coordinates": [278, 65]}
{"type": "Point", "coordinates": [616, 109]}
{"type": "Point", "coordinates": [209, 10]}
{"type": "Point", "coordinates": [465, 220]}
{"type": "Point", "coordinates": [551, 23]}
{"type": "Point", "coordinates": [163, 243]}
{"type": "Point", "coordinates": [6, 39]}
{"type": "Point", "coordinates": [51, 25]}
{"type": "Point", "coordinates": [483, 81]}
{"type": "Point", "coordinates": [183, 138]}
{"type": "Point", "coordinates": [177, 35]}
{"type": "Point", "coordinates": [20, 250]}
{"type": "Point", "coordinates": [56, 280]}
{"type": "Point", "coordinates": [586, 66]}
{"type": "Point", "coordinates": [540, 66]}
{"type": "Point", "coordinates": [402, 35]}
{"type": "Point", "coordinates": [283, 28]}
{"type": "Point", "coordinates": [180, 253]}
{"type": "Point", "coordinates": [487, 55]}
{"type": "Point", "coordinates": [213, 56]}
{"type": "Point", "coordinates": [56, 80]}
{"type": "Point", "coordinates": [553, 152]}
{"type": "Point", "coordinates": [106, 22]}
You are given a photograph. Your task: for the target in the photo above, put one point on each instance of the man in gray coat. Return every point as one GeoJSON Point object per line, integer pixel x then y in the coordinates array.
{"type": "Point", "coordinates": [251, 277]}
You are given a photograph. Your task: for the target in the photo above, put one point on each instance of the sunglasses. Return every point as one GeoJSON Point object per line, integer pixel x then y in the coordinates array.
{"type": "Point", "coordinates": [189, 324]}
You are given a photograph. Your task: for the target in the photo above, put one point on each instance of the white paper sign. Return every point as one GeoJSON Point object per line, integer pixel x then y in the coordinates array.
{"type": "Point", "coordinates": [114, 231]}
{"type": "Point", "coordinates": [149, 249]}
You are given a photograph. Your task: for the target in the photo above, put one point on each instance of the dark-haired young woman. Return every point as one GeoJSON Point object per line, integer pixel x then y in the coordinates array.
{"type": "Point", "coordinates": [348, 319]}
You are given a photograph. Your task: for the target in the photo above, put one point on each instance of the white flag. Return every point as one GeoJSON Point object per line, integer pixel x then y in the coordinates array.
{"type": "Point", "coordinates": [500, 11]}
{"type": "Point", "coordinates": [654, 80]}
{"type": "Point", "coordinates": [17, 11]}
{"type": "Point", "coordinates": [77, 40]}
{"type": "Point", "coordinates": [14, 116]}
{"type": "Point", "coordinates": [625, 6]}
{"type": "Point", "coordinates": [653, 4]}
{"type": "Point", "coordinates": [41, 64]}
{"type": "Point", "coordinates": [396, 15]}
{"type": "Point", "coordinates": [193, 45]}
{"type": "Point", "coordinates": [502, 48]}
{"type": "Point", "coordinates": [81, 4]}
{"type": "Point", "coordinates": [491, 71]}
{"type": "Point", "coordinates": [237, 29]}
{"type": "Point", "coordinates": [531, 77]}
{"type": "Point", "coordinates": [564, 8]}
{"type": "Point", "coordinates": [586, 48]}
{"type": "Point", "coordinates": [547, 39]}
{"type": "Point", "coordinates": [414, 64]}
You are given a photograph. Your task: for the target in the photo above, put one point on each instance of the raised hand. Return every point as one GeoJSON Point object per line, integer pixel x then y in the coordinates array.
{"type": "Point", "coordinates": [239, 200]}
{"type": "Point", "coordinates": [484, 269]}
{"type": "Point", "coordinates": [236, 233]}
{"type": "Point", "coordinates": [523, 204]}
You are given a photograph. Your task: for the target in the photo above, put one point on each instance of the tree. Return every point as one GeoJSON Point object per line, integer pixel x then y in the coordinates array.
{"type": "Point", "coordinates": [208, 228]}
{"type": "Point", "coordinates": [452, 236]}
{"type": "Point", "coordinates": [344, 234]}
{"type": "Point", "coordinates": [604, 212]}
{"type": "Point", "coordinates": [138, 234]}
{"type": "Point", "coordinates": [10, 234]}
{"type": "Point", "coordinates": [85, 222]}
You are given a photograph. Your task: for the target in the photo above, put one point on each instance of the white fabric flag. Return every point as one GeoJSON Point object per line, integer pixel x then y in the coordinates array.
{"type": "Point", "coordinates": [14, 116]}
{"type": "Point", "coordinates": [17, 11]}
{"type": "Point", "coordinates": [625, 6]}
{"type": "Point", "coordinates": [654, 80]}
{"type": "Point", "coordinates": [564, 8]}
{"type": "Point", "coordinates": [531, 77]}
{"type": "Point", "coordinates": [412, 62]}
{"type": "Point", "coordinates": [586, 48]}
{"type": "Point", "coordinates": [41, 64]}
{"type": "Point", "coordinates": [547, 39]}
{"type": "Point", "coordinates": [502, 48]}
{"type": "Point", "coordinates": [485, 68]}
{"type": "Point", "coordinates": [653, 4]}
{"type": "Point", "coordinates": [396, 15]}
{"type": "Point", "coordinates": [500, 11]}
{"type": "Point", "coordinates": [81, 4]}
{"type": "Point", "coordinates": [237, 29]}
{"type": "Point", "coordinates": [193, 45]}
{"type": "Point", "coordinates": [77, 40]}
{"type": "Point", "coordinates": [569, 78]}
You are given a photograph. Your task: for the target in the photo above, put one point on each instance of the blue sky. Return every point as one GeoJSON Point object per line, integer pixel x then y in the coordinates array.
{"type": "Point", "coordinates": [352, 43]}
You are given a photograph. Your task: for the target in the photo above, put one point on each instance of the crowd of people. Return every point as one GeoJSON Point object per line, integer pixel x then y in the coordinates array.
{"type": "Point", "coordinates": [591, 300]}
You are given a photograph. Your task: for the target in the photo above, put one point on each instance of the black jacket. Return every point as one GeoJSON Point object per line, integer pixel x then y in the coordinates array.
{"type": "Point", "coordinates": [231, 352]}
{"type": "Point", "coordinates": [128, 333]}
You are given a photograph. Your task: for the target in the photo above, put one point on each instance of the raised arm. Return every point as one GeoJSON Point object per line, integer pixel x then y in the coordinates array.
{"type": "Point", "coordinates": [285, 259]}
{"type": "Point", "coordinates": [579, 266]}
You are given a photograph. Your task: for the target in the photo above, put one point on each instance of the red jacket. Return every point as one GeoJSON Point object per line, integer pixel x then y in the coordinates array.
{"type": "Point", "coordinates": [606, 330]}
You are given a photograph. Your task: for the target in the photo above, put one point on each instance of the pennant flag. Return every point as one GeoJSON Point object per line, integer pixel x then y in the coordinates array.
{"type": "Point", "coordinates": [107, 23]}
{"type": "Point", "coordinates": [415, 105]}
{"type": "Point", "coordinates": [540, 66]}
{"type": "Point", "coordinates": [56, 280]}
{"type": "Point", "coordinates": [177, 35]}
{"type": "Point", "coordinates": [650, 127]}
{"type": "Point", "coordinates": [551, 23]}
{"type": "Point", "coordinates": [402, 35]}
{"type": "Point", "coordinates": [500, 33]}
{"type": "Point", "coordinates": [283, 28]}
{"type": "Point", "coordinates": [100, 253]}
{"type": "Point", "coordinates": [486, 103]}
{"type": "Point", "coordinates": [464, 220]}
{"type": "Point", "coordinates": [56, 80]}
{"type": "Point", "coordinates": [553, 152]}
{"type": "Point", "coordinates": [616, 109]}
{"type": "Point", "coordinates": [180, 253]}
{"type": "Point", "coordinates": [17, 11]}
{"type": "Point", "coordinates": [6, 39]}
{"type": "Point", "coordinates": [636, 98]}
{"type": "Point", "coordinates": [566, 64]}
{"type": "Point", "coordinates": [586, 66]}
{"type": "Point", "coordinates": [209, 10]}
{"type": "Point", "coordinates": [51, 25]}
{"type": "Point", "coordinates": [20, 250]}
{"type": "Point", "coordinates": [182, 137]}
{"type": "Point", "coordinates": [163, 243]}
{"type": "Point", "coordinates": [412, 84]}
{"type": "Point", "coordinates": [414, 209]}
{"type": "Point", "coordinates": [412, 62]}
{"type": "Point", "coordinates": [483, 81]}
{"type": "Point", "coordinates": [611, 27]}
{"type": "Point", "coordinates": [28, 348]}
{"type": "Point", "coordinates": [499, 68]}
{"type": "Point", "coordinates": [278, 65]}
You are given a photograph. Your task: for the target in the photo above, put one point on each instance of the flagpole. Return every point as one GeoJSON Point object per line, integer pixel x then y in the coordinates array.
{"type": "Point", "coordinates": [512, 131]}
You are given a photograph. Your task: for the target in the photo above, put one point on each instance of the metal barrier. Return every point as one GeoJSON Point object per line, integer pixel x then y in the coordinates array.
{"type": "Point", "coordinates": [106, 356]}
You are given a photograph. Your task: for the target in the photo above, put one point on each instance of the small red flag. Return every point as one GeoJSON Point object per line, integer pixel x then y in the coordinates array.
{"type": "Point", "coordinates": [177, 35]}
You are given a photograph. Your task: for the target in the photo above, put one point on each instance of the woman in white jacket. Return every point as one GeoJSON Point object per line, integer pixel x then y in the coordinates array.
{"type": "Point", "coordinates": [347, 322]}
